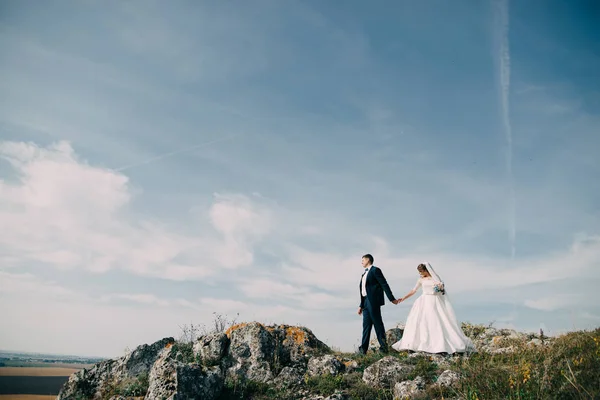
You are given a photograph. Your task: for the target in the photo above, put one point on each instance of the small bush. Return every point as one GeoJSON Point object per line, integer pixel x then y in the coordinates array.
{"type": "Point", "coordinates": [190, 333]}
{"type": "Point", "coordinates": [473, 330]}
{"type": "Point", "coordinates": [132, 387]}
{"type": "Point", "coordinates": [184, 352]}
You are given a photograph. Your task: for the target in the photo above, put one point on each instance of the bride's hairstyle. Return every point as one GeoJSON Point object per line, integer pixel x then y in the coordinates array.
{"type": "Point", "coordinates": [423, 268]}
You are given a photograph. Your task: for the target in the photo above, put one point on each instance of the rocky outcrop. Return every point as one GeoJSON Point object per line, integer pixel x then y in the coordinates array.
{"type": "Point", "coordinates": [259, 352]}
{"type": "Point", "coordinates": [279, 357]}
{"type": "Point", "coordinates": [100, 380]}
{"type": "Point", "coordinates": [173, 380]}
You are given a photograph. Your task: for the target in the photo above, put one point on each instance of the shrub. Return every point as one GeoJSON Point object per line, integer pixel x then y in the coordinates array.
{"type": "Point", "coordinates": [184, 352]}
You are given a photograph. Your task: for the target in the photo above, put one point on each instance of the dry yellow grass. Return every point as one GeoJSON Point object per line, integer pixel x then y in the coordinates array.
{"type": "Point", "coordinates": [36, 371]}
{"type": "Point", "coordinates": [25, 397]}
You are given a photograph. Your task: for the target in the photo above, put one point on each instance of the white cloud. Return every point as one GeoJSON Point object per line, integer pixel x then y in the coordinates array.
{"type": "Point", "coordinates": [68, 214]}
{"type": "Point", "coordinates": [555, 302]}
{"type": "Point", "coordinates": [140, 298]}
{"type": "Point", "coordinates": [33, 287]}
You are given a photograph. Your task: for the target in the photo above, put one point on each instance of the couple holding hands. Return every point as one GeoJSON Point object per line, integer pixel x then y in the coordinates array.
{"type": "Point", "coordinates": [431, 325]}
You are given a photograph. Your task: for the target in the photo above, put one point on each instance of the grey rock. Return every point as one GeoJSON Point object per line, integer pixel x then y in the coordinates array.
{"type": "Point", "coordinates": [502, 350]}
{"type": "Point", "coordinates": [173, 380]}
{"type": "Point", "coordinates": [290, 377]}
{"type": "Point", "coordinates": [257, 351]}
{"type": "Point", "coordinates": [97, 382]}
{"type": "Point", "coordinates": [408, 389]}
{"type": "Point", "coordinates": [349, 365]}
{"type": "Point", "coordinates": [211, 348]}
{"type": "Point", "coordinates": [386, 372]}
{"type": "Point", "coordinates": [448, 378]}
{"type": "Point", "coordinates": [392, 336]}
{"type": "Point", "coordinates": [326, 364]}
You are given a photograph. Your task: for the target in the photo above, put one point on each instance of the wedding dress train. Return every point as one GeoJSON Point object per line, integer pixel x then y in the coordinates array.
{"type": "Point", "coordinates": [431, 325]}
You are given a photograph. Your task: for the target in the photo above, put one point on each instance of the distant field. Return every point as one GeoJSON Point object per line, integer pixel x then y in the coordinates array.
{"type": "Point", "coordinates": [37, 371]}
{"type": "Point", "coordinates": [29, 383]}
{"type": "Point", "coordinates": [27, 364]}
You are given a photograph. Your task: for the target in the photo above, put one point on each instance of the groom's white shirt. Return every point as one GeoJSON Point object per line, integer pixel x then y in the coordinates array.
{"type": "Point", "coordinates": [364, 281]}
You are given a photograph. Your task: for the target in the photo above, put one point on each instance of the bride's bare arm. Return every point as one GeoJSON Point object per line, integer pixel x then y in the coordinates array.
{"type": "Point", "coordinates": [412, 292]}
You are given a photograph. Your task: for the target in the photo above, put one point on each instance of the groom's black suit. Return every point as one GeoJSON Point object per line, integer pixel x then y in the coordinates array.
{"type": "Point", "coordinates": [370, 305]}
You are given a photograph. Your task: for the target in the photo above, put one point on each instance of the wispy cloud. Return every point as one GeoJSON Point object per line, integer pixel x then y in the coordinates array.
{"type": "Point", "coordinates": [502, 31]}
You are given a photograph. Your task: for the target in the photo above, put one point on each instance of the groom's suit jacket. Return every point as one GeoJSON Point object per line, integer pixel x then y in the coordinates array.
{"type": "Point", "coordinates": [375, 285]}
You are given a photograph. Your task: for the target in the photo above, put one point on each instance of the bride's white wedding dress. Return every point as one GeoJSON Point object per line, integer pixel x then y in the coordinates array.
{"type": "Point", "coordinates": [431, 325]}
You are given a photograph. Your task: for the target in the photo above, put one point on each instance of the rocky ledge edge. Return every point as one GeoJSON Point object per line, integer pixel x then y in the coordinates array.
{"type": "Point", "coordinates": [279, 355]}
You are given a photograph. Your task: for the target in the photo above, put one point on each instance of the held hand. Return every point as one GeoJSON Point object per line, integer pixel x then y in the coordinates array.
{"type": "Point", "coordinates": [359, 311]}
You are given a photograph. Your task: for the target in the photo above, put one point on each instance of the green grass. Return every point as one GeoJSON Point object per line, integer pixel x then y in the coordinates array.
{"type": "Point", "coordinates": [252, 390]}
{"type": "Point", "coordinates": [184, 352]}
{"type": "Point", "coordinates": [131, 387]}
{"type": "Point", "coordinates": [567, 368]}
{"type": "Point", "coordinates": [351, 383]}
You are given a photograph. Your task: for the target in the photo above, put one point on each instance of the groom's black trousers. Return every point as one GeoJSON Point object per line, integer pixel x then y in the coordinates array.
{"type": "Point", "coordinates": [372, 317]}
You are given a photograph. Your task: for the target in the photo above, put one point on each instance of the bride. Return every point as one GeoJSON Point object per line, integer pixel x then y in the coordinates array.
{"type": "Point", "coordinates": [431, 325]}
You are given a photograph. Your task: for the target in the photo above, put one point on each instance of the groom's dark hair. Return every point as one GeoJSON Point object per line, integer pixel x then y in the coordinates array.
{"type": "Point", "coordinates": [368, 257]}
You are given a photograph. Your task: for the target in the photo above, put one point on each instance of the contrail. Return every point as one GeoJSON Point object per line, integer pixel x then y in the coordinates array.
{"type": "Point", "coordinates": [502, 29]}
{"type": "Point", "coordinates": [172, 153]}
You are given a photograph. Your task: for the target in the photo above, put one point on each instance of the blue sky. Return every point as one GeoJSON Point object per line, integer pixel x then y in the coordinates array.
{"type": "Point", "coordinates": [163, 161]}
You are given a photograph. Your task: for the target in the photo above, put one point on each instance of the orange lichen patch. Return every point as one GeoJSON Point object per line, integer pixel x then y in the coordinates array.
{"type": "Point", "coordinates": [238, 326]}
{"type": "Point", "coordinates": [297, 335]}
{"type": "Point", "coordinates": [496, 340]}
{"type": "Point", "coordinates": [234, 327]}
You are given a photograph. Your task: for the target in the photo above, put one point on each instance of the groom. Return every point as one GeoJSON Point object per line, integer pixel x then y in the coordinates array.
{"type": "Point", "coordinates": [372, 285]}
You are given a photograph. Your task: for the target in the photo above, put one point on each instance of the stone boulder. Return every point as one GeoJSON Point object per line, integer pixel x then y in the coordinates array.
{"type": "Point", "coordinates": [211, 349]}
{"type": "Point", "coordinates": [173, 380]}
{"type": "Point", "coordinates": [448, 378]}
{"type": "Point", "coordinates": [349, 365]}
{"type": "Point", "coordinates": [260, 352]}
{"type": "Point", "coordinates": [392, 336]}
{"type": "Point", "coordinates": [409, 389]}
{"type": "Point", "coordinates": [98, 381]}
{"type": "Point", "coordinates": [386, 372]}
{"type": "Point", "coordinates": [290, 377]}
{"type": "Point", "coordinates": [326, 364]}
